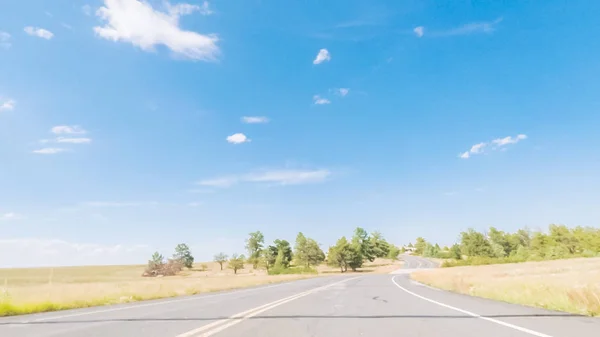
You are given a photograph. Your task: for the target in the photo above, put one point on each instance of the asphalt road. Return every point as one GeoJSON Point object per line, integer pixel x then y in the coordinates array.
{"type": "Point", "coordinates": [349, 305]}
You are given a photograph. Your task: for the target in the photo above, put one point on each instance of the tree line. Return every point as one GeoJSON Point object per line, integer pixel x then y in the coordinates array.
{"type": "Point", "coordinates": [281, 258]}
{"type": "Point", "coordinates": [496, 246]}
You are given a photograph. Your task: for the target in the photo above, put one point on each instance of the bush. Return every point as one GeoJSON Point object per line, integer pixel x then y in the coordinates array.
{"type": "Point", "coordinates": [171, 268]}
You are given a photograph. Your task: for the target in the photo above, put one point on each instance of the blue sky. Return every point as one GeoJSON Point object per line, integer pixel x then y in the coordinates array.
{"type": "Point", "coordinates": [129, 127]}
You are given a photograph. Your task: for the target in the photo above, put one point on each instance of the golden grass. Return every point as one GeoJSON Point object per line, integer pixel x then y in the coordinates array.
{"type": "Point", "coordinates": [30, 290]}
{"type": "Point", "coordinates": [566, 285]}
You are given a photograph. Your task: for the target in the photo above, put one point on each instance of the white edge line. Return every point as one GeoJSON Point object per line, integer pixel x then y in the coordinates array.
{"type": "Point", "coordinates": [223, 324]}
{"type": "Point", "coordinates": [144, 305]}
{"type": "Point", "coordinates": [512, 326]}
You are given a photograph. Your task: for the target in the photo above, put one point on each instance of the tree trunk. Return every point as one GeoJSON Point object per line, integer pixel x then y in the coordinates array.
{"type": "Point", "coordinates": [221, 263]}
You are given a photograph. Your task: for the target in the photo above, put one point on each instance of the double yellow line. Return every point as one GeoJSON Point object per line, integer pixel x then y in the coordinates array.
{"type": "Point", "coordinates": [222, 324]}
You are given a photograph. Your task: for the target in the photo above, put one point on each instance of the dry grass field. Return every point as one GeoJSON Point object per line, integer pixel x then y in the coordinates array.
{"type": "Point", "coordinates": [30, 290]}
{"type": "Point", "coordinates": [571, 285]}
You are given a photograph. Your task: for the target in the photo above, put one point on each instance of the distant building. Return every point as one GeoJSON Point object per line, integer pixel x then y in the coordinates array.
{"type": "Point", "coordinates": [409, 249]}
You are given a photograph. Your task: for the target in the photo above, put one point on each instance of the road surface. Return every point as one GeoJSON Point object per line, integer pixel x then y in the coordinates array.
{"type": "Point", "coordinates": [349, 305]}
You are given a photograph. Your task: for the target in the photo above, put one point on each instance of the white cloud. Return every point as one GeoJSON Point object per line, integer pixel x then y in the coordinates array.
{"type": "Point", "coordinates": [419, 31]}
{"type": "Point", "coordinates": [481, 147]}
{"type": "Point", "coordinates": [67, 26]}
{"type": "Point", "coordinates": [86, 9]}
{"type": "Point", "coordinates": [119, 204]}
{"type": "Point", "coordinates": [7, 105]}
{"type": "Point", "coordinates": [322, 56]}
{"type": "Point", "coordinates": [343, 91]}
{"type": "Point", "coordinates": [486, 27]}
{"type": "Point", "coordinates": [254, 119]}
{"type": "Point", "coordinates": [39, 32]}
{"type": "Point", "coordinates": [49, 150]}
{"type": "Point", "coordinates": [320, 100]}
{"type": "Point", "coordinates": [33, 252]}
{"type": "Point", "coordinates": [73, 140]}
{"type": "Point", "coordinates": [509, 140]}
{"type": "Point", "coordinates": [289, 177]}
{"type": "Point", "coordinates": [279, 177]}
{"type": "Point", "coordinates": [219, 182]}
{"type": "Point", "coordinates": [143, 26]}
{"type": "Point", "coordinates": [4, 40]}
{"type": "Point", "coordinates": [68, 129]}
{"type": "Point", "coordinates": [10, 216]}
{"type": "Point", "coordinates": [238, 138]}
{"type": "Point", "coordinates": [184, 9]}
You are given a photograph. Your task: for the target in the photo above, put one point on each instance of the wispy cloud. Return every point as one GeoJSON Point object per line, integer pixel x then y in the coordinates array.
{"type": "Point", "coordinates": [278, 177]}
{"type": "Point", "coordinates": [289, 177]}
{"type": "Point", "coordinates": [492, 145]}
{"type": "Point", "coordinates": [318, 100]}
{"type": "Point", "coordinates": [255, 119]}
{"type": "Point", "coordinates": [419, 31]}
{"type": "Point", "coordinates": [473, 28]}
{"type": "Point", "coordinates": [68, 129]}
{"type": "Point", "coordinates": [238, 138]}
{"type": "Point", "coordinates": [65, 25]}
{"type": "Point", "coordinates": [195, 204]}
{"type": "Point", "coordinates": [322, 56]}
{"type": "Point", "coordinates": [119, 204]}
{"type": "Point", "coordinates": [4, 40]}
{"type": "Point", "coordinates": [11, 216]}
{"type": "Point", "coordinates": [342, 91]}
{"type": "Point", "coordinates": [39, 32]}
{"type": "Point", "coordinates": [73, 140]}
{"type": "Point", "coordinates": [482, 27]}
{"type": "Point", "coordinates": [49, 150]}
{"type": "Point", "coordinates": [509, 140]}
{"type": "Point", "coordinates": [86, 9]}
{"type": "Point", "coordinates": [219, 182]}
{"type": "Point", "coordinates": [7, 105]}
{"type": "Point", "coordinates": [143, 26]}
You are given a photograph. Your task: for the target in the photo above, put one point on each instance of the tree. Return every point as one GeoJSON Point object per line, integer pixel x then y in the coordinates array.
{"type": "Point", "coordinates": [156, 260]}
{"type": "Point", "coordinates": [254, 246]}
{"type": "Point", "coordinates": [220, 259]}
{"type": "Point", "coordinates": [393, 252]}
{"type": "Point", "coordinates": [301, 249]}
{"type": "Point", "coordinates": [236, 262]}
{"type": "Point", "coordinates": [500, 242]}
{"type": "Point", "coordinates": [362, 243]}
{"type": "Point", "coordinates": [184, 255]}
{"type": "Point", "coordinates": [280, 260]}
{"type": "Point", "coordinates": [474, 243]}
{"type": "Point", "coordinates": [354, 256]}
{"type": "Point", "coordinates": [338, 255]}
{"type": "Point", "coordinates": [381, 248]}
{"type": "Point", "coordinates": [267, 258]}
{"type": "Point", "coordinates": [285, 248]}
{"type": "Point", "coordinates": [455, 252]}
{"type": "Point", "coordinates": [307, 251]}
{"type": "Point", "coordinates": [419, 246]}
{"type": "Point", "coordinates": [314, 253]}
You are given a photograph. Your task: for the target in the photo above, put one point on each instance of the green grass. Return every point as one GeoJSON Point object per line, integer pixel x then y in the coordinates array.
{"type": "Point", "coordinates": [292, 270]}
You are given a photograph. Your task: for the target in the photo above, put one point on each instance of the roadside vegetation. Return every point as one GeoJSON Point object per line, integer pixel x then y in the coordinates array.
{"type": "Point", "coordinates": [570, 285]}
{"type": "Point", "coordinates": [497, 247]}
{"type": "Point", "coordinates": [558, 269]}
{"type": "Point", "coordinates": [32, 290]}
